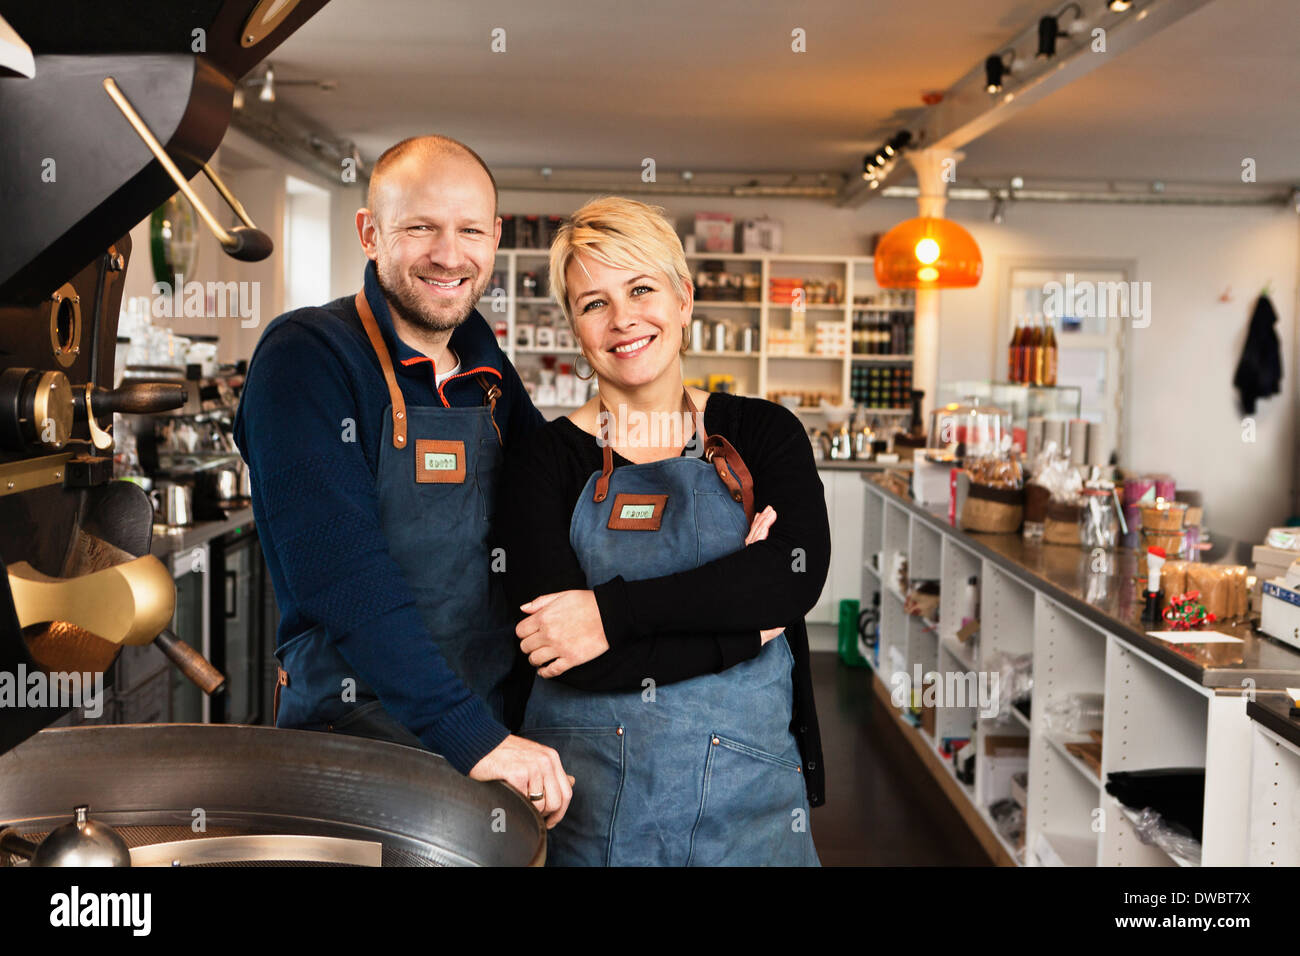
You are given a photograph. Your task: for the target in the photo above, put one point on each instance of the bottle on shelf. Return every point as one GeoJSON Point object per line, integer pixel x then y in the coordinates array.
{"type": "Point", "coordinates": [1015, 360]}
{"type": "Point", "coordinates": [1049, 354]}
{"type": "Point", "coordinates": [1034, 355]}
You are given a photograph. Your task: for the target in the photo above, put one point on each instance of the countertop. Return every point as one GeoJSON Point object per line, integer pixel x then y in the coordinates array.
{"type": "Point", "coordinates": [839, 464]}
{"type": "Point", "coordinates": [1274, 712]}
{"type": "Point", "coordinates": [167, 541]}
{"type": "Point", "coordinates": [1109, 599]}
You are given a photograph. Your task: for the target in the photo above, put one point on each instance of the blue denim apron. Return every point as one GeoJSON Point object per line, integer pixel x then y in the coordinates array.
{"type": "Point", "coordinates": [704, 772]}
{"type": "Point", "coordinates": [436, 483]}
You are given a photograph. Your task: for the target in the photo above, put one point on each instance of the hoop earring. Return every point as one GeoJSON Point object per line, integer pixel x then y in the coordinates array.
{"type": "Point", "coordinates": [590, 375]}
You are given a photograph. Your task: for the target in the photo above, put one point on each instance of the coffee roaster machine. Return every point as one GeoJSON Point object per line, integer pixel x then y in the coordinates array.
{"type": "Point", "coordinates": [107, 109]}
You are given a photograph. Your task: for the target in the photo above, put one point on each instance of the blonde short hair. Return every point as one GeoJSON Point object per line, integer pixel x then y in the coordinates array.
{"type": "Point", "coordinates": [622, 234]}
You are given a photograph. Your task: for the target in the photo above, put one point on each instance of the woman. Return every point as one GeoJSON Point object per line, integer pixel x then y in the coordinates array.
{"type": "Point", "coordinates": [651, 589]}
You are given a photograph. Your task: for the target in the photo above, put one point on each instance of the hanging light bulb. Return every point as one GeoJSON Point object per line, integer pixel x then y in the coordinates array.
{"type": "Point", "coordinates": [928, 253]}
{"type": "Point", "coordinates": [237, 101]}
{"type": "Point", "coordinates": [268, 87]}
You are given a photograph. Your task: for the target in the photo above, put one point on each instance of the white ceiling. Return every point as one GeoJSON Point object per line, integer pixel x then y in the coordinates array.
{"type": "Point", "coordinates": [715, 86]}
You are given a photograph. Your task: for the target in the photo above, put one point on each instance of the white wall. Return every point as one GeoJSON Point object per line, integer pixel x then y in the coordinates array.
{"type": "Point", "coordinates": [258, 178]}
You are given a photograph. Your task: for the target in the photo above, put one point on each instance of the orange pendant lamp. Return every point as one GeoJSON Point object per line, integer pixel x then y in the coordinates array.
{"type": "Point", "coordinates": [928, 253]}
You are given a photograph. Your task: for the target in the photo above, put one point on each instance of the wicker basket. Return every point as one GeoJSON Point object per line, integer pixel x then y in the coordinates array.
{"type": "Point", "coordinates": [1062, 524]}
{"type": "Point", "coordinates": [993, 510]}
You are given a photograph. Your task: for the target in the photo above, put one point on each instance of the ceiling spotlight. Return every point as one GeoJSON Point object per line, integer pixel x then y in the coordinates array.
{"type": "Point", "coordinates": [546, 172]}
{"type": "Point", "coordinates": [687, 175]}
{"type": "Point", "coordinates": [1017, 182]}
{"type": "Point", "coordinates": [268, 87]}
{"type": "Point", "coordinates": [995, 68]}
{"type": "Point", "coordinates": [1049, 29]}
{"type": "Point", "coordinates": [1119, 6]}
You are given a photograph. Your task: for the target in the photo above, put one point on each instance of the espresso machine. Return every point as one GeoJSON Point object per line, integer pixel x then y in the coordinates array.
{"type": "Point", "coordinates": [107, 109]}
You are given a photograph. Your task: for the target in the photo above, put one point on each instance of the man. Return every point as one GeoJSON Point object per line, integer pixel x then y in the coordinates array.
{"type": "Point", "coordinates": [373, 428]}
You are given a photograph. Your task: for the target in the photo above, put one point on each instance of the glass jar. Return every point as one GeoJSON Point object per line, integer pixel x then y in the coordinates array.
{"type": "Point", "coordinates": [1098, 525]}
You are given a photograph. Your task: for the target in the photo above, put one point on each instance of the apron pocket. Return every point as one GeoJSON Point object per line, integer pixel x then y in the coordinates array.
{"type": "Point", "coordinates": [754, 811]}
{"type": "Point", "coordinates": [593, 756]}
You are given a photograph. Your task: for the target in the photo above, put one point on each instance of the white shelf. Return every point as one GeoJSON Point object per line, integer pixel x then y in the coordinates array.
{"type": "Point", "coordinates": [1153, 715]}
{"type": "Point", "coordinates": [808, 358]}
{"type": "Point", "coordinates": [959, 653]}
{"type": "Point", "coordinates": [1058, 742]}
{"type": "Point", "coordinates": [1065, 850]}
{"type": "Point", "coordinates": [831, 375]}
{"type": "Point", "coordinates": [1176, 858]}
{"type": "Point", "coordinates": [1024, 721]}
{"type": "Point", "coordinates": [808, 307]}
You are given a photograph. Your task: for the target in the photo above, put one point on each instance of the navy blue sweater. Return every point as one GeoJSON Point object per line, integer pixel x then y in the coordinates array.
{"type": "Point", "coordinates": [312, 376]}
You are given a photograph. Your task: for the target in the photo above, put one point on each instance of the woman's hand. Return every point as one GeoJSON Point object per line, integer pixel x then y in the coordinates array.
{"type": "Point", "coordinates": [763, 522]}
{"type": "Point", "coordinates": [562, 630]}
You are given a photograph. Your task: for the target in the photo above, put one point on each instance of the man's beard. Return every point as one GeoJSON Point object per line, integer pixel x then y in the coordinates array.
{"type": "Point", "coordinates": [408, 300]}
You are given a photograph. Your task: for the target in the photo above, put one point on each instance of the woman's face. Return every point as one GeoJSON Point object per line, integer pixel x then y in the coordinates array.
{"type": "Point", "coordinates": [629, 322]}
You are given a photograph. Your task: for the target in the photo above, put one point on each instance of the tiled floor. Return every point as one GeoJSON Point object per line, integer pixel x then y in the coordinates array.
{"type": "Point", "coordinates": [882, 807]}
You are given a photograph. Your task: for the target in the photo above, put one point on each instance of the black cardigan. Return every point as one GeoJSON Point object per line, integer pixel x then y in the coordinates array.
{"type": "Point", "coordinates": [695, 622]}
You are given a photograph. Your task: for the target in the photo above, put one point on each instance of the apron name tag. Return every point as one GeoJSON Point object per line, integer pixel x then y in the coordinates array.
{"type": "Point", "coordinates": [637, 512]}
{"type": "Point", "coordinates": [439, 462]}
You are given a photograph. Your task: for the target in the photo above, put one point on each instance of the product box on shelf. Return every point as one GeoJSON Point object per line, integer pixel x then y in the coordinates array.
{"type": "Point", "coordinates": [760, 236]}
{"type": "Point", "coordinates": [1280, 608]}
{"type": "Point", "coordinates": [715, 232]}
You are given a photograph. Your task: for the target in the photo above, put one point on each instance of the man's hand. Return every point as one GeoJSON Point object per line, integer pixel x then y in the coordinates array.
{"type": "Point", "coordinates": [562, 630]}
{"type": "Point", "coordinates": [530, 768]}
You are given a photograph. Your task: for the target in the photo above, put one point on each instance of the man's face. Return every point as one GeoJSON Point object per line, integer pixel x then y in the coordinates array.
{"type": "Point", "coordinates": [435, 239]}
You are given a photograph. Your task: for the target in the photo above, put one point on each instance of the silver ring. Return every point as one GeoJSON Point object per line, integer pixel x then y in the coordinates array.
{"type": "Point", "coordinates": [537, 796]}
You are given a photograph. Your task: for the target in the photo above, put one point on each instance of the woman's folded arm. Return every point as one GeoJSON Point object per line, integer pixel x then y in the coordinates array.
{"type": "Point", "coordinates": [770, 583]}
{"type": "Point", "coordinates": [532, 526]}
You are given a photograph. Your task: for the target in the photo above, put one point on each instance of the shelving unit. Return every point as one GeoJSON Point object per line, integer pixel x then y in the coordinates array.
{"type": "Point", "coordinates": [757, 373]}
{"type": "Point", "coordinates": [1274, 798]}
{"type": "Point", "coordinates": [1154, 716]}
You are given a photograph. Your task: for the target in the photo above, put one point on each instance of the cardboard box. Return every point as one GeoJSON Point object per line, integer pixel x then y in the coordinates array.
{"type": "Point", "coordinates": [715, 232]}
{"type": "Point", "coordinates": [760, 235]}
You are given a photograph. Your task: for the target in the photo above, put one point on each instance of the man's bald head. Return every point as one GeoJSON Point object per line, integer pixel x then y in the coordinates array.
{"type": "Point", "coordinates": [420, 149]}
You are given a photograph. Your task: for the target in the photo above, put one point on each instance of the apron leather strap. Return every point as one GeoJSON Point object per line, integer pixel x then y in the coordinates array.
{"type": "Point", "coordinates": [491, 392]}
{"type": "Point", "coordinates": [386, 363]}
{"type": "Point", "coordinates": [719, 452]}
{"type": "Point", "coordinates": [731, 470]}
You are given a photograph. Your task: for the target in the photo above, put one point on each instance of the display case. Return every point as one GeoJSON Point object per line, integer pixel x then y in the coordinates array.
{"type": "Point", "coordinates": [1061, 403]}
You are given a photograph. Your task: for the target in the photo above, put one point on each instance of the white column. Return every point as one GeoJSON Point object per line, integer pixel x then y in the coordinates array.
{"type": "Point", "coordinates": [930, 165]}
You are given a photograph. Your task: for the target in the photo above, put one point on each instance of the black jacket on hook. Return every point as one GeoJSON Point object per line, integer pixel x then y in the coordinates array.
{"type": "Point", "coordinates": [1259, 372]}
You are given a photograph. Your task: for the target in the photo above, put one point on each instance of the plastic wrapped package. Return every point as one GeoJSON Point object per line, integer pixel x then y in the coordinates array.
{"type": "Point", "coordinates": [1015, 679]}
{"type": "Point", "coordinates": [1074, 714]}
{"type": "Point", "coordinates": [1152, 828]}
